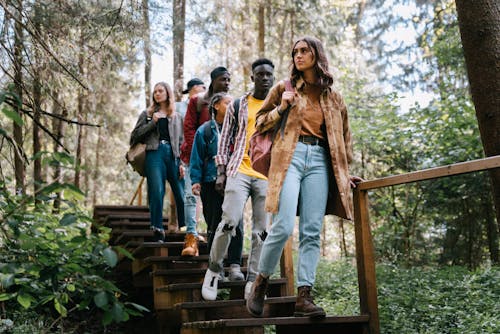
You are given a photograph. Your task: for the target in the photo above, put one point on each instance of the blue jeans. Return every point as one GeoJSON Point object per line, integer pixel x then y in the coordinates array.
{"type": "Point", "coordinates": [306, 184]}
{"type": "Point", "coordinates": [238, 189]}
{"type": "Point", "coordinates": [161, 166]}
{"type": "Point", "coordinates": [212, 211]}
{"type": "Point", "coordinates": [189, 204]}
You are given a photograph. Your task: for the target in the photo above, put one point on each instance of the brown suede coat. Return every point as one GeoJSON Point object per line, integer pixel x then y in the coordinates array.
{"type": "Point", "coordinates": [339, 142]}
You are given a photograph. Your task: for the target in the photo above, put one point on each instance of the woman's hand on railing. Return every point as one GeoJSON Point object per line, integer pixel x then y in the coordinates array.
{"type": "Point", "coordinates": [354, 180]}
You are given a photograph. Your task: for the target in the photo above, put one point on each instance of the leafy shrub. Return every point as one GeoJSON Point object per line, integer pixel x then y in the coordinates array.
{"type": "Point", "coordinates": [51, 264]}
{"type": "Point", "coordinates": [447, 300]}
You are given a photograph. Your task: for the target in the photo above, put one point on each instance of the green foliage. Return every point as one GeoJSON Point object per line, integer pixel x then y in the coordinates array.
{"type": "Point", "coordinates": [448, 300]}
{"type": "Point", "coordinates": [51, 263]}
{"type": "Point", "coordinates": [336, 288]}
{"type": "Point", "coordinates": [438, 300]}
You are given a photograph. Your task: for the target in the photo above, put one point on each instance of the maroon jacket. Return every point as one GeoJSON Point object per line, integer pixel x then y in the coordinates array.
{"type": "Point", "coordinates": [192, 121]}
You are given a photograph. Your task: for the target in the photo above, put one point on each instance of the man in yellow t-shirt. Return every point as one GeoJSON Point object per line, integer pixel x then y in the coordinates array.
{"type": "Point", "coordinates": [238, 180]}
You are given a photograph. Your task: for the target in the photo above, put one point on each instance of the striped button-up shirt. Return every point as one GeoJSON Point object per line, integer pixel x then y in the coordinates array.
{"type": "Point", "coordinates": [232, 141]}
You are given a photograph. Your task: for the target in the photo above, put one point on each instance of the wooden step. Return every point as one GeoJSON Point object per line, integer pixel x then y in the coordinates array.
{"type": "Point", "coordinates": [179, 262]}
{"type": "Point", "coordinates": [230, 309]}
{"type": "Point", "coordinates": [187, 275]}
{"type": "Point", "coordinates": [141, 266]}
{"type": "Point", "coordinates": [104, 210]}
{"type": "Point", "coordinates": [131, 225]}
{"type": "Point", "coordinates": [123, 236]}
{"type": "Point", "coordinates": [137, 216]}
{"type": "Point", "coordinates": [145, 249]}
{"type": "Point", "coordinates": [221, 309]}
{"type": "Point", "coordinates": [168, 295]}
{"type": "Point", "coordinates": [284, 325]}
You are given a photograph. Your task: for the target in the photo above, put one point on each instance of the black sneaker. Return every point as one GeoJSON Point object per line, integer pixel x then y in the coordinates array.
{"type": "Point", "coordinates": [158, 235]}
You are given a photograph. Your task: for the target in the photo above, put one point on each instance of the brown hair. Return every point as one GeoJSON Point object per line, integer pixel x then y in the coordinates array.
{"type": "Point", "coordinates": [155, 106]}
{"type": "Point", "coordinates": [325, 78]}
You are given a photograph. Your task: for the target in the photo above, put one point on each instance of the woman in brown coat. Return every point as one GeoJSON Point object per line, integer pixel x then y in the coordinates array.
{"type": "Point", "coordinates": [309, 169]}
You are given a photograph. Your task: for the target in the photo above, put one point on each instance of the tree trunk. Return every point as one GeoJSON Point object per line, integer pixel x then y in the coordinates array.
{"type": "Point", "coordinates": [147, 51]}
{"type": "Point", "coordinates": [479, 23]}
{"type": "Point", "coordinates": [19, 166]}
{"type": "Point", "coordinates": [37, 102]}
{"type": "Point", "coordinates": [262, 27]}
{"type": "Point", "coordinates": [179, 28]}
{"type": "Point", "coordinates": [96, 167]}
{"type": "Point", "coordinates": [491, 230]}
{"type": "Point", "coordinates": [58, 130]}
{"type": "Point", "coordinates": [80, 116]}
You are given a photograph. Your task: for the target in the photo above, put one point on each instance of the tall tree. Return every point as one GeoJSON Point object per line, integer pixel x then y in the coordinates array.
{"type": "Point", "coordinates": [80, 110]}
{"type": "Point", "coordinates": [19, 166]}
{"type": "Point", "coordinates": [37, 105]}
{"type": "Point", "coordinates": [262, 28]}
{"type": "Point", "coordinates": [178, 29]}
{"type": "Point", "coordinates": [147, 50]}
{"type": "Point", "coordinates": [479, 23]}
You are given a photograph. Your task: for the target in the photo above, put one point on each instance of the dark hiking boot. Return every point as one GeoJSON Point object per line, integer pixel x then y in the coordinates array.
{"type": "Point", "coordinates": [304, 306]}
{"type": "Point", "coordinates": [158, 235]}
{"type": "Point", "coordinates": [255, 302]}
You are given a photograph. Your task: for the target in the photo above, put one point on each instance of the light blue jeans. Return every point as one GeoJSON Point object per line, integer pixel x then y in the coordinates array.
{"type": "Point", "coordinates": [238, 189]}
{"type": "Point", "coordinates": [306, 184]}
{"type": "Point", "coordinates": [160, 166]}
{"type": "Point", "coordinates": [189, 203]}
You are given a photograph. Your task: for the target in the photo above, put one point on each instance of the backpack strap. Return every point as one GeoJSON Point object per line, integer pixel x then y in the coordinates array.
{"type": "Point", "coordinates": [208, 136]}
{"type": "Point", "coordinates": [207, 131]}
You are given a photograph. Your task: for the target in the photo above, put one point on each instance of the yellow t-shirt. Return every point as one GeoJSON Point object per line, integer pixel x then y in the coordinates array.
{"type": "Point", "coordinates": [254, 106]}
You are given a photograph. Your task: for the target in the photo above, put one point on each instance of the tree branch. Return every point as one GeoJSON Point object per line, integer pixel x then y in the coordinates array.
{"type": "Point", "coordinates": [43, 45]}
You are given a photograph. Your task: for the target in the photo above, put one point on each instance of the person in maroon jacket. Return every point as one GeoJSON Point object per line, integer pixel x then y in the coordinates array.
{"type": "Point", "coordinates": [197, 113]}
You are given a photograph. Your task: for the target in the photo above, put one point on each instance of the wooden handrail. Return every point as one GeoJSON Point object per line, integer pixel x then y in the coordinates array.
{"type": "Point", "coordinates": [138, 193]}
{"type": "Point", "coordinates": [365, 255]}
{"type": "Point", "coordinates": [433, 173]}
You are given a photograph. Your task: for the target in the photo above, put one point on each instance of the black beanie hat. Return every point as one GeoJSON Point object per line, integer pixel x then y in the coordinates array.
{"type": "Point", "coordinates": [217, 72]}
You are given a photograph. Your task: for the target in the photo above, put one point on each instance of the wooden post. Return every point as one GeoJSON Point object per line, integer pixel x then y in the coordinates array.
{"type": "Point", "coordinates": [138, 193]}
{"type": "Point", "coordinates": [173, 224]}
{"type": "Point", "coordinates": [365, 260]}
{"type": "Point", "coordinates": [286, 267]}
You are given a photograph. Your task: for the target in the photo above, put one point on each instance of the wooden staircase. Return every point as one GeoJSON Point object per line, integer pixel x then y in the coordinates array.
{"type": "Point", "coordinates": [174, 285]}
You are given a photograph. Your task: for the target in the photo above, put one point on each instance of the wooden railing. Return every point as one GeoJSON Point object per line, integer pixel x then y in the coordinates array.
{"type": "Point", "coordinates": [138, 193]}
{"type": "Point", "coordinates": [364, 245]}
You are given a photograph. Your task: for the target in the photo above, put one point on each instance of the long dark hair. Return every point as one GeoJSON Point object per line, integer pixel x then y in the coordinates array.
{"type": "Point", "coordinates": [325, 78]}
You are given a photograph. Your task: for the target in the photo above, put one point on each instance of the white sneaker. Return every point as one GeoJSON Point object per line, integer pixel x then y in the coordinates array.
{"type": "Point", "coordinates": [248, 289]}
{"type": "Point", "coordinates": [209, 287]}
{"type": "Point", "coordinates": [235, 273]}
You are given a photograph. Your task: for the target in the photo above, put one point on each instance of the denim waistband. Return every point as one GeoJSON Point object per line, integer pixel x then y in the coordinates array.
{"type": "Point", "coordinates": [163, 141]}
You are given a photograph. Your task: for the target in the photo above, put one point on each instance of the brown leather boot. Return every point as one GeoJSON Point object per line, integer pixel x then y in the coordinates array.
{"type": "Point", "coordinates": [304, 306]}
{"type": "Point", "coordinates": [190, 246]}
{"type": "Point", "coordinates": [255, 302]}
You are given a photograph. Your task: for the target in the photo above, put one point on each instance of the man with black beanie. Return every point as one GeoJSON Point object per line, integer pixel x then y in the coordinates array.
{"type": "Point", "coordinates": [197, 113]}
